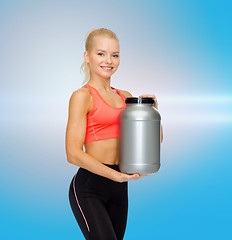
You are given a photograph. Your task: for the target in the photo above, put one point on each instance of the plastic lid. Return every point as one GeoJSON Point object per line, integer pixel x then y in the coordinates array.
{"type": "Point", "coordinates": [139, 100]}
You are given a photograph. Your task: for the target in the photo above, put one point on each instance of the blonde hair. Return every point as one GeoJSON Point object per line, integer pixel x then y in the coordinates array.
{"type": "Point", "coordinates": [89, 45]}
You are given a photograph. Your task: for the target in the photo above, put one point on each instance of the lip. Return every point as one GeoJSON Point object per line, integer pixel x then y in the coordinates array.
{"type": "Point", "coordinates": [104, 67]}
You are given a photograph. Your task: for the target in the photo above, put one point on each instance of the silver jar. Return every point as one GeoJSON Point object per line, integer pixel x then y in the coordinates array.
{"type": "Point", "coordinates": [140, 136]}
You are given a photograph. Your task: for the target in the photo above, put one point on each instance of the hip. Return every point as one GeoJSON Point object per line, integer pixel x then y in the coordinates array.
{"type": "Point", "coordinates": [90, 184]}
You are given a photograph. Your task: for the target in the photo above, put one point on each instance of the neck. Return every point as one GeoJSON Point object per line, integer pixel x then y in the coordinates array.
{"type": "Point", "coordinates": [100, 83]}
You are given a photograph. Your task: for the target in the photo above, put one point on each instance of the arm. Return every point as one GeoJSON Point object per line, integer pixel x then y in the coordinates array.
{"type": "Point", "coordinates": [79, 105]}
{"type": "Point", "coordinates": [162, 135]}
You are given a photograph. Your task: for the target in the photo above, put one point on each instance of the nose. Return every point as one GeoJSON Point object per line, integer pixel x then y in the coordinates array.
{"type": "Point", "coordinates": [108, 59]}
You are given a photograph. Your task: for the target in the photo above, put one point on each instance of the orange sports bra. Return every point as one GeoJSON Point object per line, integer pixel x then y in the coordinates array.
{"type": "Point", "coordinates": [103, 119]}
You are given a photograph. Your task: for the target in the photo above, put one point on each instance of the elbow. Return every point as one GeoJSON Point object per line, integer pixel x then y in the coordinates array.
{"type": "Point", "coordinates": [69, 158]}
{"type": "Point", "coordinates": [74, 157]}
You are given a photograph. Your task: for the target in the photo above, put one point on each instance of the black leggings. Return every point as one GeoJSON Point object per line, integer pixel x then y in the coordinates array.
{"type": "Point", "coordinates": [99, 204]}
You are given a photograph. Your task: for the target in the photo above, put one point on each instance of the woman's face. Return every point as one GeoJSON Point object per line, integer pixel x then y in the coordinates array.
{"type": "Point", "coordinates": [104, 57]}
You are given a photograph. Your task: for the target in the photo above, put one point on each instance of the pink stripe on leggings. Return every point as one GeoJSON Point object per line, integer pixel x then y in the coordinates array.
{"type": "Point", "coordinates": [79, 204]}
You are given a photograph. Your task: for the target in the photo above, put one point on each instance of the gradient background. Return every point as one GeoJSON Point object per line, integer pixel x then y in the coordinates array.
{"type": "Point", "coordinates": [181, 51]}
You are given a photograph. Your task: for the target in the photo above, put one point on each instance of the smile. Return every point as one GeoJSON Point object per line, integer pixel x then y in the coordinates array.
{"type": "Point", "coordinates": [107, 68]}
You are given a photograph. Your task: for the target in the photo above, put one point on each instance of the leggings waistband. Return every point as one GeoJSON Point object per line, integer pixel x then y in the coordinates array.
{"type": "Point", "coordinates": [113, 166]}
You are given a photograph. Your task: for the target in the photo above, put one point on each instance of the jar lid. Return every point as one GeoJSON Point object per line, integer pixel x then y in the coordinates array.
{"type": "Point", "coordinates": [140, 100]}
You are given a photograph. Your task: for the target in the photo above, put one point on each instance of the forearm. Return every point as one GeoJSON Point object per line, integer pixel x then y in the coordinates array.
{"type": "Point", "coordinates": [156, 106]}
{"type": "Point", "coordinates": [86, 161]}
{"type": "Point", "coordinates": [162, 136]}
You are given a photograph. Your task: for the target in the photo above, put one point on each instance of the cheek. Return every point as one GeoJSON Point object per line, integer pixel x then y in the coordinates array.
{"type": "Point", "coordinates": [117, 61]}
{"type": "Point", "coordinates": [95, 60]}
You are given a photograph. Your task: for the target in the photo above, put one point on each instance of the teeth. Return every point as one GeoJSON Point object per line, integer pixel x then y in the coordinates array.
{"type": "Point", "coordinates": [107, 68]}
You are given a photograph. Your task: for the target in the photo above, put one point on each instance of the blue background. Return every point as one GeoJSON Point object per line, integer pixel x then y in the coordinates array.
{"type": "Point", "coordinates": [181, 51]}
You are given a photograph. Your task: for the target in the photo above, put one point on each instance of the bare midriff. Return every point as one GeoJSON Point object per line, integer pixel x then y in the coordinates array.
{"type": "Point", "coordinates": [105, 151]}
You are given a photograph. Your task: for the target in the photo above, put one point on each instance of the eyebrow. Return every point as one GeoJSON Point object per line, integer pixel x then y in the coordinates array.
{"type": "Point", "coordinates": [104, 50]}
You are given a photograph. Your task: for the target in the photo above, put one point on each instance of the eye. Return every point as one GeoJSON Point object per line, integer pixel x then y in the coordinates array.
{"type": "Point", "coordinates": [100, 54]}
{"type": "Point", "coordinates": [116, 55]}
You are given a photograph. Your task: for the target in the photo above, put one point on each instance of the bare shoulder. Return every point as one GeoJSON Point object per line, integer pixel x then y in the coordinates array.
{"type": "Point", "coordinates": [125, 93]}
{"type": "Point", "coordinates": [81, 92]}
{"type": "Point", "coordinates": [81, 96]}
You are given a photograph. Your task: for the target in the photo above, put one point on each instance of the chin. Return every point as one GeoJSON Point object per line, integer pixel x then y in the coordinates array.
{"type": "Point", "coordinates": [106, 76]}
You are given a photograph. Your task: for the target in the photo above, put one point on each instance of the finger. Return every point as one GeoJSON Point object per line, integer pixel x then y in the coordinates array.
{"type": "Point", "coordinates": [151, 96]}
{"type": "Point", "coordinates": [148, 95]}
{"type": "Point", "coordinates": [134, 176]}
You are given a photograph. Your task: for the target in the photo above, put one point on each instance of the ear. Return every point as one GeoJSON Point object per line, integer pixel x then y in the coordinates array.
{"type": "Point", "coordinates": [86, 56]}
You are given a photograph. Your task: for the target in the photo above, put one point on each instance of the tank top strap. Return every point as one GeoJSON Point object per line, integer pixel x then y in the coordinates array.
{"type": "Point", "coordinates": [97, 102]}
{"type": "Point", "coordinates": [122, 96]}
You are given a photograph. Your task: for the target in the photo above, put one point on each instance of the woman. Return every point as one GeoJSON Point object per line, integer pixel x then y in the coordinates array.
{"type": "Point", "coordinates": [98, 191]}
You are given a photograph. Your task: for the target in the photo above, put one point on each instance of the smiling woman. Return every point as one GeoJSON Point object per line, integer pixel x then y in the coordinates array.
{"type": "Point", "coordinates": [98, 192]}
{"type": "Point", "coordinates": [102, 56]}
{"type": "Point", "coordinates": [101, 49]}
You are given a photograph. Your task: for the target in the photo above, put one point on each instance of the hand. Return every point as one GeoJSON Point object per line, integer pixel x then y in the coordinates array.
{"type": "Point", "coordinates": [152, 96]}
{"type": "Point", "coordinates": [124, 177]}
